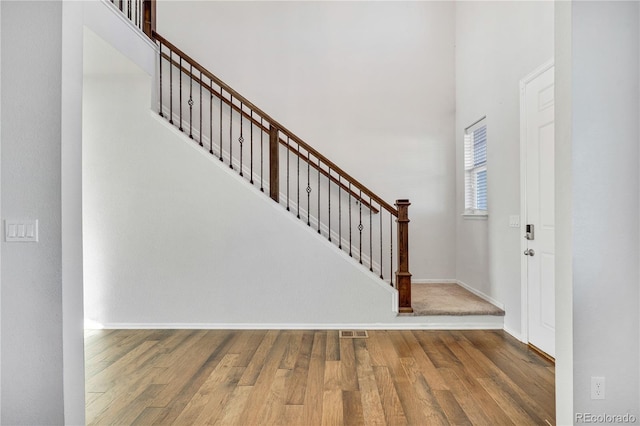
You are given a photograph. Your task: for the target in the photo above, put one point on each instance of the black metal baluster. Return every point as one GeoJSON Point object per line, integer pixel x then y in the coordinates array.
{"type": "Point", "coordinates": [220, 141]}
{"type": "Point", "coordinates": [319, 197]}
{"type": "Point", "coordinates": [360, 226]}
{"type": "Point", "coordinates": [308, 190]}
{"type": "Point", "coordinates": [160, 59]}
{"type": "Point", "coordinates": [241, 138]}
{"type": "Point", "coordinates": [231, 132]}
{"type": "Point", "coordinates": [350, 254]}
{"type": "Point", "coordinates": [339, 212]}
{"type": "Point", "coordinates": [381, 233]}
{"type": "Point", "coordinates": [391, 251]}
{"type": "Point", "coordinates": [211, 117]}
{"type": "Point", "coordinates": [370, 236]}
{"type": "Point", "coordinates": [288, 173]}
{"type": "Point", "coordinates": [251, 150]}
{"type": "Point", "coordinates": [261, 153]}
{"type": "Point", "coordinates": [190, 102]}
{"type": "Point", "coordinates": [298, 183]}
{"type": "Point", "coordinates": [180, 124]}
{"type": "Point", "coordinates": [329, 199]}
{"type": "Point", "coordinates": [200, 84]}
{"type": "Point", "coordinates": [170, 86]}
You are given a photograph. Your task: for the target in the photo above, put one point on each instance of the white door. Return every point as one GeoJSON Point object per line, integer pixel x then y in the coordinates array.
{"type": "Point", "coordinates": [539, 225]}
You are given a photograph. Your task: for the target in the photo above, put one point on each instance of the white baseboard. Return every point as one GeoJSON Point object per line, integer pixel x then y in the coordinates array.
{"type": "Point", "coordinates": [230, 326]}
{"type": "Point", "coordinates": [439, 322]}
{"type": "Point", "coordinates": [517, 335]}
{"type": "Point", "coordinates": [433, 281]}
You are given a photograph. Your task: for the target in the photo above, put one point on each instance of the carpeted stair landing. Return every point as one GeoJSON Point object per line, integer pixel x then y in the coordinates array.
{"type": "Point", "coordinates": [448, 299]}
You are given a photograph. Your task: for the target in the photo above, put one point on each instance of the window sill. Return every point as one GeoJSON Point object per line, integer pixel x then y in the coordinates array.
{"type": "Point", "coordinates": [475, 216]}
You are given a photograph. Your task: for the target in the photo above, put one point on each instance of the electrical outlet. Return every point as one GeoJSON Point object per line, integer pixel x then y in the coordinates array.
{"type": "Point", "coordinates": [597, 387]}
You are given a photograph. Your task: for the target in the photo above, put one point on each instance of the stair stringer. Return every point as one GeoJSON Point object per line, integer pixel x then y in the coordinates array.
{"type": "Point", "coordinates": [313, 220]}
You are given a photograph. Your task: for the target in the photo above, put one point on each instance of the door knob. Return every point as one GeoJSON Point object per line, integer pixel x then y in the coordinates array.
{"type": "Point", "coordinates": [529, 252]}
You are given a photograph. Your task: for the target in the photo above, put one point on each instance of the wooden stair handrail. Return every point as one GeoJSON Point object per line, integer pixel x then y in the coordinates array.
{"type": "Point", "coordinates": [266, 129]}
{"type": "Point", "coordinates": [354, 182]}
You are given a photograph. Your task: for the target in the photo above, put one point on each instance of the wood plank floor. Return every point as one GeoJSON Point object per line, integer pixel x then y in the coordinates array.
{"type": "Point", "coordinates": [296, 377]}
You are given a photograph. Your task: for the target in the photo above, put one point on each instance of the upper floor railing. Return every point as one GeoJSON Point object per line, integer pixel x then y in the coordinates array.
{"type": "Point", "coordinates": [272, 158]}
{"type": "Point", "coordinates": [142, 13]}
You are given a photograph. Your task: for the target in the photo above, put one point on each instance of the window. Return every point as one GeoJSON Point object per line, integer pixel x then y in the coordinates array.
{"type": "Point", "coordinates": [475, 168]}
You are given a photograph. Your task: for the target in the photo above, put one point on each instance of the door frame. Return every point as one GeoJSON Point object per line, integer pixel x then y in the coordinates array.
{"type": "Point", "coordinates": [524, 283]}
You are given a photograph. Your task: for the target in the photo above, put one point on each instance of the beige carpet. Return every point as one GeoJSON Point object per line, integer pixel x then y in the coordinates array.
{"type": "Point", "coordinates": [448, 299]}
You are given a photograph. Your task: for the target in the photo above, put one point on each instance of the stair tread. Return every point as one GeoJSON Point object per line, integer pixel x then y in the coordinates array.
{"type": "Point", "coordinates": [448, 299]}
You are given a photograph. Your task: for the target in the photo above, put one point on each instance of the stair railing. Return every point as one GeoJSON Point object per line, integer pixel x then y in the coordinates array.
{"type": "Point", "coordinates": [140, 12]}
{"type": "Point", "coordinates": [279, 163]}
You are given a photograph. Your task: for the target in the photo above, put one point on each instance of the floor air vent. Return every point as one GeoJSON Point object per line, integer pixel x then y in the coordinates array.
{"type": "Point", "coordinates": [353, 334]}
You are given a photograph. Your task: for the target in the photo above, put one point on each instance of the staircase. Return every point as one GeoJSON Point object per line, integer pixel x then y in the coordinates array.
{"type": "Point", "coordinates": [285, 168]}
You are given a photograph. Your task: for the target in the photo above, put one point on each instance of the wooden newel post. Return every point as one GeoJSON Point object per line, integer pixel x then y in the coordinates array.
{"type": "Point", "coordinates": [403, 276]}
{"type": "Point", "coordinates": [149, 16]}
{"type": "Point", "coordinates": [274, 164]}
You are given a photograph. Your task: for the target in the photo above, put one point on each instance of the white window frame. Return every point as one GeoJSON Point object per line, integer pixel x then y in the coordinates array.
{"type": "Point", "coordinates": [471, 172]}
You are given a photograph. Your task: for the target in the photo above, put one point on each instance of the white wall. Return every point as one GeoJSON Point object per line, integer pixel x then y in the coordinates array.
{"type": "Point", "coordinates": [32, 353]}
{"type": "Point", "coordinates": [71, 212]}
{"type": "Point", "coordinates": [174, 238]}
{"type": "Point", "coordinates": [370, 84]}
{"type": "Point", "coordinates": [497, 44]}
{"type": "Point", "coordinates": [606, 238]}
{"type": "Point", "coordinates": [0, 211]}
{"type": "Point", "coordinates": [105, 20]}
{"type": "Point", "coordinates": [564, 212]}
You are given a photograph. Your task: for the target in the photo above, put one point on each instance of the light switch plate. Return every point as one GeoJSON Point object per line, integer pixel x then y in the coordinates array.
{"type": "Point", "coordinates": [514, 221]}
{"type": "Point", "coordinates": [25, 231]}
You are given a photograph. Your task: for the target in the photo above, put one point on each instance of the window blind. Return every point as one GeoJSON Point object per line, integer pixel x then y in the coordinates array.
{"type": "Point", "coordinates": [475, 165]}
